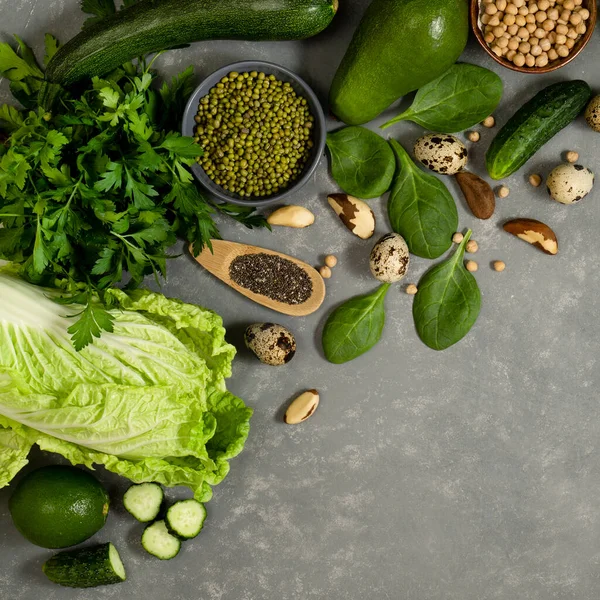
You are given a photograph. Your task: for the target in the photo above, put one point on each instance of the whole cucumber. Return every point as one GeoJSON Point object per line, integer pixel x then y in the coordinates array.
{"type": "Point", "coordinates": [152, 25]}
{"type": "Point", "coordinates": [534, 124]}
{"type": "Point", "coordinates": [399, 46]}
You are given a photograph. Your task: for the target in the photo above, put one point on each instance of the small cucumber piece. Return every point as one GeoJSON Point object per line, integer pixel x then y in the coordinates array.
{"type": "Point", "coordinates": [185, 518]}
{"type": "Point", "coordinates": [534, 124]}
{"type": "Point", "coordinates": [157, 541]}
{"type": "Point", "coordinates": [86, 567]}
{"type": "Point", "coordinates": [144, 501]}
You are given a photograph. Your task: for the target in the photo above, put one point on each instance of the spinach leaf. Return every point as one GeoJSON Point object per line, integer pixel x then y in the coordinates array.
{"type": "Point", "coordinates": [362, 162]}
{"type": "Point", "coordinates": [355, 327]}
{"type": "Point", "coordinates": [447, 303]}
{"type": "Point", "coordinates": [462, 97]}
{"type": "Point", "coordinates": [421, 209]}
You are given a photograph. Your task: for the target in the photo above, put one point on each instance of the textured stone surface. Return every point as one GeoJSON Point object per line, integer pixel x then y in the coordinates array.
{"type": "Point", "coordinates": [471, 474]}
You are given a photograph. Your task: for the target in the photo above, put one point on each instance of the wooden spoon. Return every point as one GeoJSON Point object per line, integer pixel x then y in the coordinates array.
{"type": "Point", "coordinates": [218, 261]}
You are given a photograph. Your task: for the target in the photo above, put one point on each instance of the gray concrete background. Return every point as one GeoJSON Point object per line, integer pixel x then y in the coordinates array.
{"type": "Point", "coordinates": [471, 474]}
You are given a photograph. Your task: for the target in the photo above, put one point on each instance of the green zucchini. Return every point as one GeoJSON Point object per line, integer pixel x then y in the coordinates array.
{"type": "Point", "coordinates": [152, 25]}
{"type": "Point", "coordinates": [534, 124]}
{"type": "Point", "coordinates": [86, 567]}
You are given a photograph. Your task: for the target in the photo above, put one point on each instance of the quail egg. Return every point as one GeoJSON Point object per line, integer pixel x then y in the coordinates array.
{"type": "Point", "coordinates": [570, 183]}
{"type": "Point", "coordinates": [441, 153]}
{"type": "Point", "coordinates": [390, 258]}
{"type": "Point", "coordinates": [592, 113]}
{"type": "Point", "coordinates": [272, 344]}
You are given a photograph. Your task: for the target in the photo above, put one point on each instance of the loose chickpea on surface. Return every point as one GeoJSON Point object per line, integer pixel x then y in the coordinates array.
{"type": "Point", "coordinates": [532, 34]}
{"type": "Point", "coordinates": [471, 266]}
{"type": "Point", "coordinates": [458, 237]}
{"type": "Point", "coordinates": [503, 192]}
{"type": "Point", "coordinates": [499, 266]}
{"type": "Point", "coordinates": [330, 261]}
{"type": "Point", "coordinates": [535, 180]}
{"type": "Point", "coordinates": [325, 272]}
{"type": "Point", "coordinates": [489, 122]}
{"type": "Point", "coordinates": [572, 156]}
{"type": "Point", "coordinates": [474, 136]}
{"type": "Point", "coordinates": [472, 246]}
{"type": "Point", "coordinates": [411, 289]}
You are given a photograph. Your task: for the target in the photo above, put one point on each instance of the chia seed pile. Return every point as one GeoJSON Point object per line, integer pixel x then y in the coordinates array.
{"type": "Point", "coordinates": [268, 275]}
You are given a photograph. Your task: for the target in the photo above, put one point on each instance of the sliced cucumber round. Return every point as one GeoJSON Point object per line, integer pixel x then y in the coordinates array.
{"type": "Point", "coordinates": [185, 518]}
{"type": "Point", "coordinates": [144, 501]}
{"type": "Point", "coordinates": [157, 541]}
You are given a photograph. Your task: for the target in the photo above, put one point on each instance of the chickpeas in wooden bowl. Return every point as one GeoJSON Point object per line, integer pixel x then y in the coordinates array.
{"type": "Point", "coordinates": [533, 36]}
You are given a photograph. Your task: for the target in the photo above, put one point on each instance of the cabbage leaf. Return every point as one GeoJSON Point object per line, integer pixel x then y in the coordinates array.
{"type": "Point", "coordinates": [147, 401]}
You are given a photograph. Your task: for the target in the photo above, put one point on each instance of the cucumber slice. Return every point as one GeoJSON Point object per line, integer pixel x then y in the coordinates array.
{"type": "Point", "coordinates": [144, 501]}
{"type": "Point", "coordinates": [86, 567]}
{"type": "Point", "coordinates": [185, 518]}
{"type": "Point", "coordinates": [157, 541]}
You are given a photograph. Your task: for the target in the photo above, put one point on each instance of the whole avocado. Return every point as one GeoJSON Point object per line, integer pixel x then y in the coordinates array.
{"type": "Point", "coordinates": [399, 46]}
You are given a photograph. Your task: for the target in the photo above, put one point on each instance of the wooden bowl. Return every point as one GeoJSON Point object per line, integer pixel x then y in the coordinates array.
{"type": "Point", "coordinates": [552, 66]}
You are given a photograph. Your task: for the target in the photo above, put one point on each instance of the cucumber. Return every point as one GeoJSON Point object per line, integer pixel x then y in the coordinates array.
{"type": "Point", "coordinates": [534, 124]}
{"type": "Point", "coordinates": [185, 518]}
{"type": "Point", "coordinates": [157, 541]}
{"type": "Point", "coordinates": [144, 501]}
{"type": "Point", "coordinates": [86, 567]}
{"type": "Point", "coordinates": [153, 25]}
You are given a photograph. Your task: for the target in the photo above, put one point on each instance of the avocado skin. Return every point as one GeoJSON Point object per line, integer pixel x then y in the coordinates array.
{"type": "Point", "coordinates": [399, 46]}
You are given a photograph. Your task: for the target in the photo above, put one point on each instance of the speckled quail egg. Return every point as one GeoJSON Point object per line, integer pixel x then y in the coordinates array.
{"type": "Point", "coordinates": [570, 183]}
{"type": "Point", "coordinates": [390, 258]}
{"type": "Point", "coordinates": [592, 113]}
{"type": "Point", "coordinates": [272, 344]}
{"type": "Point", "coordinates": [441, 153]}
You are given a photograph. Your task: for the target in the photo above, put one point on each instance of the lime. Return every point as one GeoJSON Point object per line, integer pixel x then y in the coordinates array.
{"type": "Point", "coordinates": [57, 507]}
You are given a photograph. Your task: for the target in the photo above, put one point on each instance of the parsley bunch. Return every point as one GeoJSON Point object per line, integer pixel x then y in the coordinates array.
{"type": "Point", "coordinates": [99, 189]}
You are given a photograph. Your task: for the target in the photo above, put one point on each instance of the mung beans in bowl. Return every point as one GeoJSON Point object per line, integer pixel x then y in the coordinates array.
{"type": "Point", "coordinates": [262, 132]}
{"type": "Point", "coordinates": [533, 36]}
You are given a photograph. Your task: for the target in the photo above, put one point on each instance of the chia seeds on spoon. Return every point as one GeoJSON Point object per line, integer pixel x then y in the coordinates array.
{"type": "Point", "coordinates": [272, 276]}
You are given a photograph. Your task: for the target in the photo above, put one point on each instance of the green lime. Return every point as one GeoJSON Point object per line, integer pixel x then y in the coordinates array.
{"type": "Point", "coordinates": [57, 507]}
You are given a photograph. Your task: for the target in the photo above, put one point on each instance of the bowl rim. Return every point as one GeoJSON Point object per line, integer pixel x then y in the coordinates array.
{"type": "Point", "coordinates": [557, 64]}
{"type": "Point", "coordinates": [316, 109]}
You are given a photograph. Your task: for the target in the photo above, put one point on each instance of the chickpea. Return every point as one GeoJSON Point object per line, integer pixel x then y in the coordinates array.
{"type": "Point", "coordinates": [533, 7]}
{"type": "Point", "coordinates": [494, 21]}
{"type": "Point", "coordinates": [519, 60]}
{"type": "Point", "coordinates": [513, 44]}
{"type": "Point", "coordinates": [562, 51]}
{"type": "Point", "coordinates": [498, 51]}
{"type": "Point", "coordinates": [498, 31]}
{"type": "Point", "coordinates": [584, 13]}
{"type": "Point", "coordinates": [489, 37]}
{"type": "Point", "coordinates": [572, 34]}
{"type": "Point", "coordinates": [530, 60]}
{"type": "Point", "coordinates": [552, 54]}
{"type": "Point", "coordinates": [511, 10]}
{"type": "Point", "coordinates": [548, 25]}
{"type": "Point", "coordinates": [560, 40]}
{"type": "Point", "coordinates": [541, 60]}
{"type": "Point", "coordinates": [553, 14]}
{"type": "Point", "coordinates": [543, 4]}
{"type": "Point", "coordinates": [545, 45]}
{"type": "Point", "coordinates": [518, 3]}
{"type": "Point", "coordinates": [523, 33]}
{"type": "Point", "coordinates": [539, 33]}
{"type": "Point", "coordinates": [541, 16]}
{"type": "Point", "coordinates": [569, 4]}
{"type": "Point", "coordinates": [552, 37]}
{"type": "Point", "coordinates": [565, 15]}
{"type": "Point", "coordinates": [570, 43]}
{"type": "Point", "coordinates": [511, 54]}
{"type": "Point", "coordinates": [503, 42]}
{"type": "Point", "coordinates": [535, 50]}
{"type": "Point", "coordinates": [524, 47]}
{"type": "Point", "coordinates": [523, 10]}
{"type": "Point", "coordinates": [520, 20]}
{"type": "Point", "coordinates": [509, 20]}
{"type": "Point", "coordinates": [575, 19]}
{"type": "Point", "coordinates": [471, 266]}
{"type": "Point", "coordinates": [530, 18]}
{"type": "Point", "coordinates": [491, 9]}
{"type": "Point", "coordinates": [562, 29]}
{"type": "Point", "coordinates": [581, 28]}
{"type": "Point", "coordinates": [512, 30]}
{"type": "Point", "coordinates": [572, 156]}
{"type": "Point", "coordinates": [501, 5]}
{"type": "Point", "coordinates": [531, 28]}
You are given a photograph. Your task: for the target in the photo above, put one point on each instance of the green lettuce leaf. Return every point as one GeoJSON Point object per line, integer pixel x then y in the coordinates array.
{"type": "Point", "coordinates": [147, 400]}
